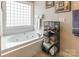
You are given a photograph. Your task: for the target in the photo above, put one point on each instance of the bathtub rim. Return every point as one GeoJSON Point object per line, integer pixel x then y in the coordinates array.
{"type": "Point", "coordinates": [20, 46]}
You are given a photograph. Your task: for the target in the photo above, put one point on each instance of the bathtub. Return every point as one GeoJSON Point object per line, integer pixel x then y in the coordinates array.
{"type": "Point", "coordinates": [19, 41]}
{"type": "Point", "coordinates": [23, 50]}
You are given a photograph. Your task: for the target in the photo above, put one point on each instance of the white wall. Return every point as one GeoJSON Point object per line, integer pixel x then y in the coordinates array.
{"type": "Point", "coordinates": [0, 24]}
{"type": "Point", "coordinates": [38, 11]}
{"type": "Point", "coordinates": [0, 15]}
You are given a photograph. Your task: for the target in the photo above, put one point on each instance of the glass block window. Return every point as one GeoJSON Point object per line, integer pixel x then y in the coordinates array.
{"type": "Point", "coordinates": [18, 14]}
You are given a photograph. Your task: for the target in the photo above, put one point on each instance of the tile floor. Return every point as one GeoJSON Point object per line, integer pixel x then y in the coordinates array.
{"type": "Point", "coordinates": [43, 54]}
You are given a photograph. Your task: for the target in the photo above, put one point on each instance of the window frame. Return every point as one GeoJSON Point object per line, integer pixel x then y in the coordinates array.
{"type": "Point", "coordinates": [17, 29]}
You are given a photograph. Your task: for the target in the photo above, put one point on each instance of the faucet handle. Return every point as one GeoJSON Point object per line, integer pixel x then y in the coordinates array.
{"type": "Point", "coordinates": [39, 34]}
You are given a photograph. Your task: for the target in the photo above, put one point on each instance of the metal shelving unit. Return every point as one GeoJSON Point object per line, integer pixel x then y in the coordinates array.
{"type": "Point", "coordinates": [51, 41]}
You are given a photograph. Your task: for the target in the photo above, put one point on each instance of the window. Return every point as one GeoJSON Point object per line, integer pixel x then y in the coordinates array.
{"type": "Point", "coordinates": [17, 17]}
{"type": "Point", "coordinates": [18, 14]}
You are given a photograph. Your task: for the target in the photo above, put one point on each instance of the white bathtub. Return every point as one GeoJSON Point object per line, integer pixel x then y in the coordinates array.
{"type": "Point", "coordinates": [25, 50]}
{"type": "Point", "coordinates": [14, 40]}
{"type": "Point", "coordinates": [26, 44]}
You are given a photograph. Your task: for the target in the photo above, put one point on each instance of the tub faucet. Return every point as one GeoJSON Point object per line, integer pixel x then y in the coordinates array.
{"type": "Point", "coordinates": [39, 34]}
